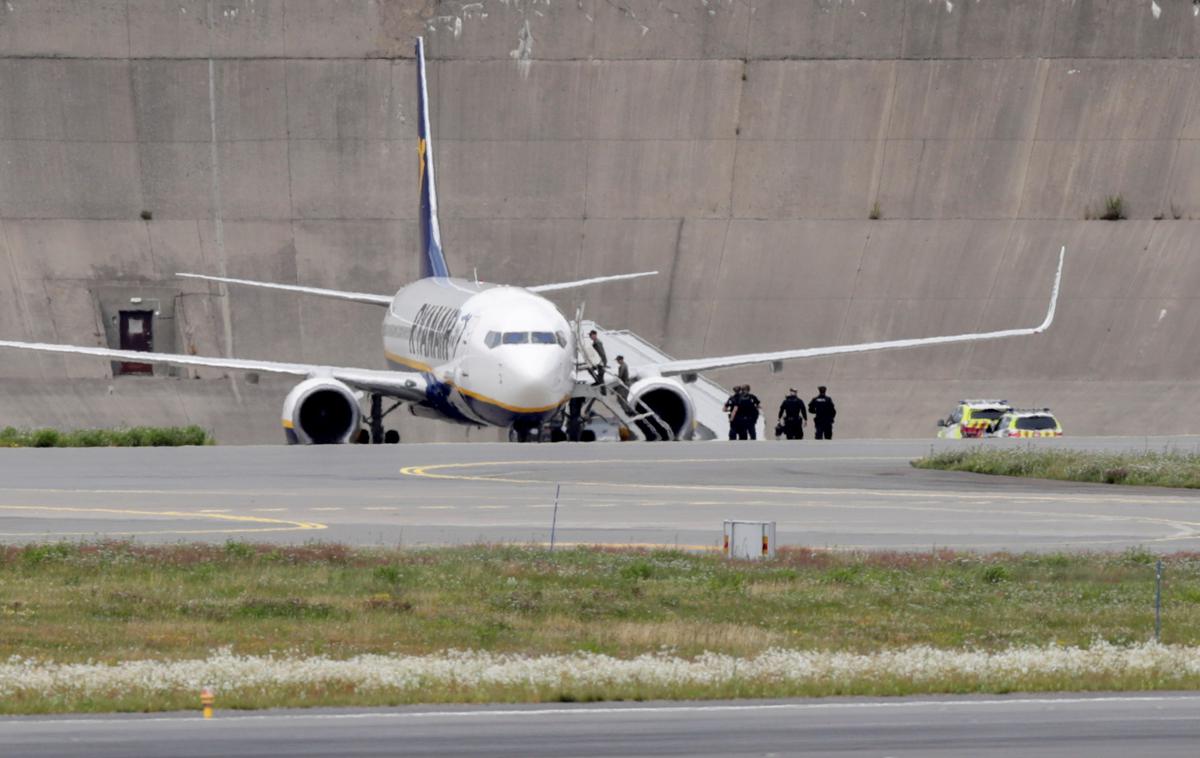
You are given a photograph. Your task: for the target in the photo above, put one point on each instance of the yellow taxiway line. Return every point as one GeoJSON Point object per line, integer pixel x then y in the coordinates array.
{"type": "Point", "coordinates": [1183, 530]}
{"type": "Point", "coordinates": [434, 472]}
{"type": "Point", "coordinates": [270, 524]}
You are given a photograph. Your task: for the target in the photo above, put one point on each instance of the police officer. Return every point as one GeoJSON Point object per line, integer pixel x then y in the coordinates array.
{"type": "Point", "coordinates": [792, 415]}
{"type": "Point", "coordinates": [745, 412]}
{"type": "Point", "coordinates": [601, 359]}
{"type": "Point", "coordinates": [623, 388]}
{"type": "Point", "coordinates": [823, 413]}
{"type": "Point", "coordinates": [730, 405]}
{"type": "Point", "coordinates": [623, 370]}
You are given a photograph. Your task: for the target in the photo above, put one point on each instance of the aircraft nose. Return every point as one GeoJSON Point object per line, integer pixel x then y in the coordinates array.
{"type": "Point", "coordinates": [537, 379]}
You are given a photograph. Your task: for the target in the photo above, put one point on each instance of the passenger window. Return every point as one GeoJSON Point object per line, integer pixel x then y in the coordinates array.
{"type": "Point", "coordinates": [492, 339]}
{"type": "Point", "coordinates": [516, 338]}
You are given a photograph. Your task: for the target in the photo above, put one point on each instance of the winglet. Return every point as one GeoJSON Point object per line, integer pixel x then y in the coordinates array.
{"type": "Point", "coordinates": [1062, 254]}
{"type": "Point", "coordinates": [433, 262]}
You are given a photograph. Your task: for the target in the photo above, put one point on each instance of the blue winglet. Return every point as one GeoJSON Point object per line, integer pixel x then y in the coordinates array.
{"type": "Point", "coordinates": [433, 262]}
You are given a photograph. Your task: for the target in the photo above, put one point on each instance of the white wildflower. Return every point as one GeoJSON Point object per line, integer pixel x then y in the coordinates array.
{"type": "Point", "coordinates": [225, 671]}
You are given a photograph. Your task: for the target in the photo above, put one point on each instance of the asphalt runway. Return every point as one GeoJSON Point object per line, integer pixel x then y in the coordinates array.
{"type": "Point", "coordinates": [844, 494]}
{"type": "Point", "coordinates": [1116, 726]}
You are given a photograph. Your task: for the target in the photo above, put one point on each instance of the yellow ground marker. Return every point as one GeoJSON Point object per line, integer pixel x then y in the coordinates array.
{"type": "Point", "coordinates": [269, 524]}
{"type": "Point", "coordinates": [1184, 530]}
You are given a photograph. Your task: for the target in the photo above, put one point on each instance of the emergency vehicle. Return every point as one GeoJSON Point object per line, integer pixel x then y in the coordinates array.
{"type": "Point", "coordinates": [1027, 422]}
{"type": "Point", "coordinates": [972, 418]}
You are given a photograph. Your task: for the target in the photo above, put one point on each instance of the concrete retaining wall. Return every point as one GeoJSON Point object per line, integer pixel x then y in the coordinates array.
{"type": "Point", "coordinates": [736, 145]}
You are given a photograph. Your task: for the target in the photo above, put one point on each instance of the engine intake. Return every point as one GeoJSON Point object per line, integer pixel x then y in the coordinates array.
{"type": "Point", "coordinates": [320, 411]}
{"type": "Point", "coordinates": [671, 404]}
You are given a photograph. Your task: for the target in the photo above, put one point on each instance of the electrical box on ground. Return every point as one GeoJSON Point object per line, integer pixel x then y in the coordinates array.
{"type": "Point", "coordinates": [750, 540]}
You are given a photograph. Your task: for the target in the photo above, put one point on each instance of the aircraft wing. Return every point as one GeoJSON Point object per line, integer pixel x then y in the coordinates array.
{"type": "Point", "coordinates": [694, 366]}
{"type": "Point", "coordinates": [357, 297]}
{"type": "Point", "coordinates": [403, 385]}
{"type": "Point", "coordinates": [585, 282]}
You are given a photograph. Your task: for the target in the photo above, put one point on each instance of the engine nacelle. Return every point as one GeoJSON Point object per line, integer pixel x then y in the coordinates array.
{"type": "Point", "coordinates": [670, 402]}
{"type": "Point", "coordinates": [320, 411]}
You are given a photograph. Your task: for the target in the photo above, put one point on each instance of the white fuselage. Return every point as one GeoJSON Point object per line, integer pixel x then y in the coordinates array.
{"type": "Point", "coordinates": [492, 354]}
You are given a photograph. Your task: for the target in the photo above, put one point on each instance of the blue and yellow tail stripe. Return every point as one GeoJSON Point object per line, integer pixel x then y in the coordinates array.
{"type": "Point", "coordinates": [433, 261]}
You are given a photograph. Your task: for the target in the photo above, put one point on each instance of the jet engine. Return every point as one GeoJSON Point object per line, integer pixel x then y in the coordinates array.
{"type": "Point", "coordinates": [670, 403]}
{"type": "Point", "coordinates": [320, 411]}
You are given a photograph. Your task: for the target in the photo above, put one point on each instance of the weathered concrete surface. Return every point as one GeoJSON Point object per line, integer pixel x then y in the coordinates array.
{"type": "Point", "coordinates": [736, 145]}
{"type": "Point", "coordinates": [845, 494]}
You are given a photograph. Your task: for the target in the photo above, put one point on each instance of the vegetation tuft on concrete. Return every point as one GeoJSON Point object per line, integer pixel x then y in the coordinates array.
{"type": "Point", "coordinates": [1114, 208]}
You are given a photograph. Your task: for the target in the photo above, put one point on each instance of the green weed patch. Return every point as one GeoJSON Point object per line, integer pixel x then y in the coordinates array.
{"type": "Point", "coordinates": [137, 436]}
{"type": "Point", "coordinates": [116, 600]}
{"type": "Point", "coordinates": [1165, 469]}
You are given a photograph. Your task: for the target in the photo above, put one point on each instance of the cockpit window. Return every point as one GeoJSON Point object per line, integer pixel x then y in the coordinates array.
{"type": "Point", "coordinates": [494, 339]}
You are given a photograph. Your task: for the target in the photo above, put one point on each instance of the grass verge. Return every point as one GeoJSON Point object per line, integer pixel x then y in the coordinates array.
{"type": "Point", "coordinates": [1166, 469]}
{"type": "Point", "coordinates": [247, 608]}
{"type": "Point", "coordinates": [137, 436]}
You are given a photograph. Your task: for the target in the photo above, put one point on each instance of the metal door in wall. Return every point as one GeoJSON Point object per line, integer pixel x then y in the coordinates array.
{"type": "Point", "coordinates": [137, 333]}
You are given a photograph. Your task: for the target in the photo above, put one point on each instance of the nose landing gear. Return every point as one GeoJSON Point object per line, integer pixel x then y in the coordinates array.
{"type": "Point", "coordinates": [525, 431]}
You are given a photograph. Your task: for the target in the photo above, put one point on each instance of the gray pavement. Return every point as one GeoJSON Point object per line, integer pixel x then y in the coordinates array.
{"type": "Point", "coordinates": [1100, 726]}
{"type": "Point", "coordinates": [844, 494]}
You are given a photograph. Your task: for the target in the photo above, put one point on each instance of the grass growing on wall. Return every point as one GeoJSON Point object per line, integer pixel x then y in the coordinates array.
{"type": "Point", "coordinates": [1159, 469]}
{"type": "Point", "coordinates": [136, 436]}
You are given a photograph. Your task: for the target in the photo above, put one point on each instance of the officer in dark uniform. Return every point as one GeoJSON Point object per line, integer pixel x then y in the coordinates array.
{"type": "Point", "coordinates": [730, 404]}
{"type": "Point", "coordinates": [823, 413]}
{"type": "Point", "coordinates": [745, 413]}
{"type": "Point", "coordinates": [598, 369]}
{"type": "Point", "coordinates": [792, 415]}
{"type": "Point", "coordinates": [622, 389]}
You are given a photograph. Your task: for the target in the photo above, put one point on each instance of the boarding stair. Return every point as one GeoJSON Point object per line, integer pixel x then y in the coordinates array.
{"type": "Point", "coordinates": [707, 396]}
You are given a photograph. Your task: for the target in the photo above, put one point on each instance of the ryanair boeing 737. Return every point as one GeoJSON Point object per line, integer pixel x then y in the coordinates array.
{"type": "Point", "coordinates": [482, 354]}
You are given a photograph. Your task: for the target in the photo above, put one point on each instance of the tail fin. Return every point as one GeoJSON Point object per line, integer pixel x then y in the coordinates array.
{"type": "Point", "coordinates": [433, 262]}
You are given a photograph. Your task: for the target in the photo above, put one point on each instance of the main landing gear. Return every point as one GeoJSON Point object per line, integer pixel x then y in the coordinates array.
{"type": "Point", "coordinates": [376, 434]}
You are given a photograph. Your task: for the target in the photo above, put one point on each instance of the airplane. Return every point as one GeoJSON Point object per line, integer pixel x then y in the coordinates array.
{"type": "Point", "coordinates": [482, 354]}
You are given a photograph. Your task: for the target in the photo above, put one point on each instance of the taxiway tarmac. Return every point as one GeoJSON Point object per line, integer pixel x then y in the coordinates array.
{"type": "Point", "coordinates": [1160, 724]}
{"type": "Point", "coordinates": [841, 494]}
